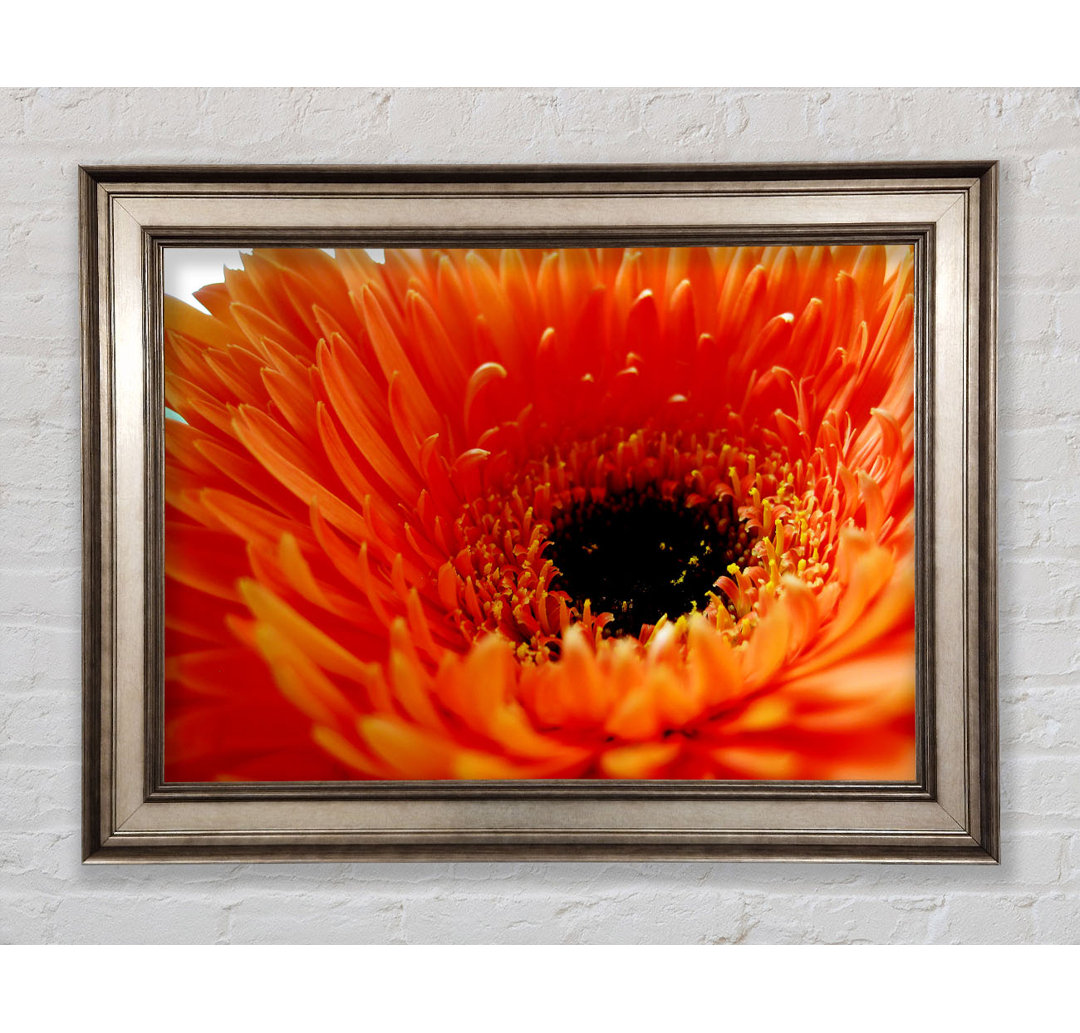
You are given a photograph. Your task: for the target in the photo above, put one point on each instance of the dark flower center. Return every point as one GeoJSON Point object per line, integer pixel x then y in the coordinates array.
{"type": "Point", "coordinates": [641, 555]}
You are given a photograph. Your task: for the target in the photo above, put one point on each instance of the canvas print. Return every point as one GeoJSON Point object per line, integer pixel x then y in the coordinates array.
{"type": "Point", "coordinates": [541, 513]}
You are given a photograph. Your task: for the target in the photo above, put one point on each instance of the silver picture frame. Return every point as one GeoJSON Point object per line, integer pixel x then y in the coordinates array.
{"type": "Point", "coordinates": [949, 813]}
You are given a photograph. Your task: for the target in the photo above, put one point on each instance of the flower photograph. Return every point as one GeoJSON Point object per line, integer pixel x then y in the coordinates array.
{"type": "Point", "coordinates": [616, 513]}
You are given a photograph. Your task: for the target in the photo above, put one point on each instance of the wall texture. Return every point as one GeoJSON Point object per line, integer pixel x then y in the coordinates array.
{"type": "Point", "coordinates": [47, 896]}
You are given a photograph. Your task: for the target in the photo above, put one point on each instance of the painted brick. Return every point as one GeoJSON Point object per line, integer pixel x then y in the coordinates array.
{"type": "Point", "coordinates": [155, 917]}
{"type": "Point", "coordinates": [369, 918]}
{"type": "Point", "coordinates": [838, 919]}
{"type": "Point", "coordinates": [969, 920]}
{"type": "Point", "coordinates": [1043, 786]}
{"type": "Point", "coordinates": [1041, 717]}
{"type": "Point", "coordinates": [1037, 649]}
{"type": "Point", "coordinates": [1057, 918]}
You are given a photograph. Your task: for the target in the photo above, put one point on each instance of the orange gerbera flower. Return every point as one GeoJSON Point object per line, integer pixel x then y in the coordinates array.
{"type": "Point", "coordinates": [613, 513]}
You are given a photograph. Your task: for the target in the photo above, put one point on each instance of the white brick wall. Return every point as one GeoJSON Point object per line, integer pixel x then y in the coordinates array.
{"type": "Point", "coordinates": [47, 896]}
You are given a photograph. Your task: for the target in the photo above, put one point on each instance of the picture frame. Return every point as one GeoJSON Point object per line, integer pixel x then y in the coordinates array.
{"type": "Point", "coordinates": [945, 211]}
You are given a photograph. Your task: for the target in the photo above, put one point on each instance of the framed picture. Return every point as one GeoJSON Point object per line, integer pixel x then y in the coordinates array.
{"type": "Point", "coordinates": [547, 512]}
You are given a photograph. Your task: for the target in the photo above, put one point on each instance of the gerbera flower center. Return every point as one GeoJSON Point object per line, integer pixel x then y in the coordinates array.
{"type": "Point", "coordinates": [640, 555]}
